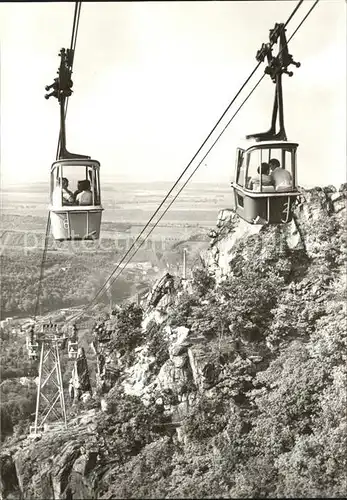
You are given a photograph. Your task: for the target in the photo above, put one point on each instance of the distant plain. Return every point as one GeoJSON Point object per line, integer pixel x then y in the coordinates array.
{"type": "Point", "coordinates": [127, 208]}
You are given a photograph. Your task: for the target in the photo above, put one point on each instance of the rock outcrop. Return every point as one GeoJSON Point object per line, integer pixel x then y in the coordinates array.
{"type": "Point", "coordinates": [79, 385]}
{"type": "Point", "coordinates": [312, 206]}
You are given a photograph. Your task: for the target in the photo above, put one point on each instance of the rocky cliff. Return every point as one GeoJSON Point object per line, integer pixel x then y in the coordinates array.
{"type": "Point", "coordinates": [231, 384]}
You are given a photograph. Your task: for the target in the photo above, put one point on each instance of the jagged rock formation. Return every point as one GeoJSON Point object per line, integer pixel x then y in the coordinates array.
{"type": "Point", "coordinates": [79, 385]}
{"type": "Point", "coordinates": [230, 385]}
{"type": "Point", "coordinates": [107, 364]}
{"type": "Point", "coordinates": [36, 471]}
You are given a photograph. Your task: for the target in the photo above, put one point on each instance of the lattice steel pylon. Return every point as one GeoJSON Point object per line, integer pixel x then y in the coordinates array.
{"type": "Point", "coordinates": [50, 400]}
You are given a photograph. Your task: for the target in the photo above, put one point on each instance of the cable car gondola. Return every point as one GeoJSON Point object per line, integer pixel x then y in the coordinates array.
{"type": "Point", "coordinates": [32, 344]}
{"type": "Point", "coordinates": [265, 180]}
{"type": "Point", "coordinates": [73, 343]}
{"type": "Point", "coordinates": [73, 215]}
{"type": "Point", "coordinates": [71, 220]}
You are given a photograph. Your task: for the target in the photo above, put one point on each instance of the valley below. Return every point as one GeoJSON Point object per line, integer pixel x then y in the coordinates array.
{"type": "Point", "coordinates": [74, 270]}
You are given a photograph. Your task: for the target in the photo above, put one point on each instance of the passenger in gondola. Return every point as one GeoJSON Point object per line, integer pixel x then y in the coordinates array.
{"type": "Point", "coordinates": [62, 194]}
{"type": "Point", "coordinates": [78, 190]}
{"type": "Point", "coordinates": [67, 194]}
{"type": "Point", "coordinates": [266, 179]}
{"type": "Point", "coordinates": [281, 178]}
{"type": "Point", "coordinates": [31, 332]}
{"type": "Point", "coordinates": [74, 337]}
{"type": "Point", "coordinates": [85, 197]}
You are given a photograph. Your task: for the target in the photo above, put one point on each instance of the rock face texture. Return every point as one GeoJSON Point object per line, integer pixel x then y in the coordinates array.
{"type": "Point", "coordinates": [180, 365]}
{"type": "Point", "coordinates": [8, 476]}
{"type": "Point", "coordinates": [79, 385]}
{"type": "Point", "coordinates": [34, 470]}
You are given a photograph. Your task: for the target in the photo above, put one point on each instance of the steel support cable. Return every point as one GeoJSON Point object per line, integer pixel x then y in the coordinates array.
{"type": "Point", "coordinates": [184, 171]}
{"type": "Point", "coordinates": [76, 21]}
{"type": "Point", "coordinates": [180, 190]}
{"type": "Point", "coordinates": [293, 14]}
{"type": "Point", "coordinates": [75, 25]}
{"type": "Point", "coordinates": [173, 200]}
{"type": "Point", "coordinates": [301, 22]}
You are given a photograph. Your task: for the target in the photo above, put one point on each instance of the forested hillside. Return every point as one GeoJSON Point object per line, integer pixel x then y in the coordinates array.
{"type": "Point", "coordinates": [68, 280]}
{"type": "Point", "coordinates": [229, 385]}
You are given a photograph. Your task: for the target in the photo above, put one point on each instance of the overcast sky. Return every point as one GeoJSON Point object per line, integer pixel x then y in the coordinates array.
{"type": "Point", "coordinates": [152, 78]}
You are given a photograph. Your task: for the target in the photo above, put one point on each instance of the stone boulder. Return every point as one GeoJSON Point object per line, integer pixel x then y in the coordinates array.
{"type": "Point", "coordinates": [225, 216]}
{"type": "Point", "coordinates": [138, 376]}
{"type": "Point", "coordinates": [174, 375]}
{"type": "Point", "coordinates": [180, 343]}
{"type": "Point", "coordinates": [79, 485]}
{"type": "Point", "coordinates": [62, 466]}
{"type": "Point", "coordinates": [163, 287]}
{"type": "Point", "coordinates": [207, 361]}
{"type": "Point", "coordinates": [292, 236]}
{"type": "Point", "coordinates": [204, 370]}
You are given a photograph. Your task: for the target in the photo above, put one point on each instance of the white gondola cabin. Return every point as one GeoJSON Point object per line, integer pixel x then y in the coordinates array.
{"type": "Point", "coordinates": [75, 201]}
{"type": "Point", "coordinates": [32, 347]}
{"type": "Point", "coordinates": [256, 199]}
{"type": "Point", "coordinates": [73, 342]}
{"type": "Point", "coordinates": [32, 343]}
{"type": "Point", "coordinates": [72, 349]}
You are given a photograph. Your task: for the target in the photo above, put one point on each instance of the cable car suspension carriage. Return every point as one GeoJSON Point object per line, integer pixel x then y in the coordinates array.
{"type": "Point", "coordinates": [75, 215]}
{"type": "Point", "coordinates": [265, 181]}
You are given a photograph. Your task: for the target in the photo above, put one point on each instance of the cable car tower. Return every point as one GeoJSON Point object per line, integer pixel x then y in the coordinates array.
{"type": "Point", "coordinates": [44, 342]}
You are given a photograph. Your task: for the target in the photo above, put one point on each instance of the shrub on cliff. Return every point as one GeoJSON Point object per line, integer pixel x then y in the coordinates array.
{"type": "Point", "coordinates": [208, 418]}
{"type": "Point", "coordinates": [18, 402]}
{"type": "Point", "coordinates": [202, 281]}
{"type": "Point", "coordinates": [327, 240]}
{"type": "Point", "coordinates": [128, 423]}
{"type": "Point", "coordinates": [182, 310]}
{"type": "Point", "coordinates": [243, 302]}
{"type": "Point", "coordinates": [210, 318]}
{"type": "Point", "coordinates": [147, 475]}
{"type": "Point", "coordinates": [157, 343]}
{"type": "Point", "coordinates": [251, 298]}
{"type": "Point", "coordinates": [127, 333]}
{"type": "Point", "coordinates": [306, 304]}
{"type": "Point", "coordinates": [298, 429]}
